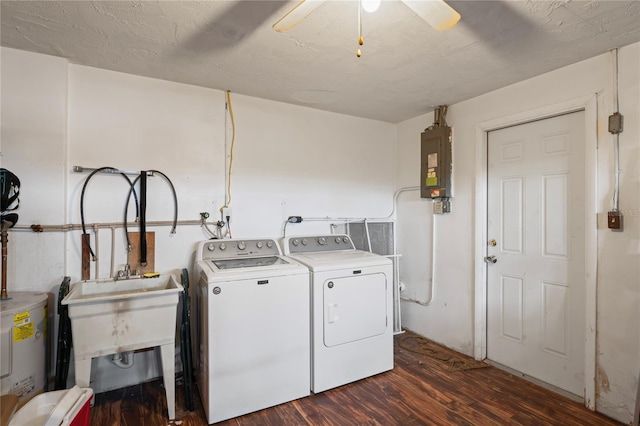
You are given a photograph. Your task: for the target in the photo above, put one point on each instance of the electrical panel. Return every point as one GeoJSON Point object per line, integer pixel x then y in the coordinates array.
{"type": "Point", "coordinates": [436, 162]}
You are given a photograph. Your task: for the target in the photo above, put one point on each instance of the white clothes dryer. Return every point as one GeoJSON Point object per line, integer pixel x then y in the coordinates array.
{"type": "Point", "coordinates": [253, 327]}
{"type": "Point", "coordinates": [351, 309]}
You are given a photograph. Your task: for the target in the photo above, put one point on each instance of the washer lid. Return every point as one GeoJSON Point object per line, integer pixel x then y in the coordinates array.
{"type": "Point", "coordinates": [250, 262]}
{"type": "Point", "coordinates": [249, 267]}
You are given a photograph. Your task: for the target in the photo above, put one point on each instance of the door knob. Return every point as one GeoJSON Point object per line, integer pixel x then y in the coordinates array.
{"type": "Point", "coordinates": [490, 259]}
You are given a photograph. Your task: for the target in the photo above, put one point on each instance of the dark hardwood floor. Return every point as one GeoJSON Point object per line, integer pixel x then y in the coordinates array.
{"type": "Point", "coordinates": [430, 385]}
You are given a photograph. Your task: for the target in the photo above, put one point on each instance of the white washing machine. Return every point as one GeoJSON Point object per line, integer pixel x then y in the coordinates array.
{"type": "Point", "coordinates": [351, 309]}
{"type": "Point", "coordinates": [253, 327]}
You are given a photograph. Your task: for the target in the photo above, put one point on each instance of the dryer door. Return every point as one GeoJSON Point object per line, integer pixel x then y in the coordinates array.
{"type": "Point", "coordinates": [355, 308]}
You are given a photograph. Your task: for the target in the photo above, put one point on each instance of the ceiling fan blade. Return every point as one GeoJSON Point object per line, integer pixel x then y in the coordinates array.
{"type": "Point", "coordinates": [297, 14]}
{"type": "Point", "coordinates": [437, 13]}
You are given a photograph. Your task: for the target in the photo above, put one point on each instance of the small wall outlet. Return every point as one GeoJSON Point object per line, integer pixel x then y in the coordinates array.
{"type": "Point", "coordinates": [614, 219]}
{"type": "Point", "coordinates": [226, 213]}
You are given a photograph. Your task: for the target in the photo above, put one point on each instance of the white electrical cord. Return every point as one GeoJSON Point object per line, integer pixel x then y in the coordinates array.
{"type": "Point", "coordinates": [228, 166]}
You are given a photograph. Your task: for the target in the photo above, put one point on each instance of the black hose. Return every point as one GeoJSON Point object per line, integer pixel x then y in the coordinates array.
{"type": "Point", "coordinates": [126, 209]}
{"type": "Point", "coordinates": [63, 349]}
{"type": "Point", "coordinates": [143, 218]}
{"type": "Point", "coordinates": [84, 187]}
{"type": "Point", "coordinates": [185, 343]}
{"type": "Point", "coordinates": [175, 198]}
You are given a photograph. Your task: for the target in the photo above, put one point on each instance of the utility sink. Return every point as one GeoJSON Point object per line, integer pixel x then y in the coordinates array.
{"type": "Point", "coordinates": [114, 316]}
{"type": "Point", "coordinates": [110, 289]}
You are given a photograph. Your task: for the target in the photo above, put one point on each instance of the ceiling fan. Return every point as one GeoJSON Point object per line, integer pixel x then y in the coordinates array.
{"type": "Point", "coordinates": [436, 13]}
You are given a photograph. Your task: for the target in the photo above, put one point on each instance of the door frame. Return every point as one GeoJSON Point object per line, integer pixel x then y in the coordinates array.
{"type": "Point", "coordinates": [588, 104]}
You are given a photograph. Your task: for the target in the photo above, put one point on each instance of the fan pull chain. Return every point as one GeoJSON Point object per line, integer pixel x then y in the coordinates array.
{"type": "Point", "coordinates": [360, 38]}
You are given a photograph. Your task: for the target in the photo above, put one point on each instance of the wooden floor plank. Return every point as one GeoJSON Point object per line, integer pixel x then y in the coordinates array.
{"type": "Point", "coordinates": [422, 389]}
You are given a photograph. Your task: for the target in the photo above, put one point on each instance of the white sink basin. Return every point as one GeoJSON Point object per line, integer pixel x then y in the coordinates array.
{"type": "Point", "coordinates": [110, 316]}
{"type": "Point", "coordinates": [121, 289]}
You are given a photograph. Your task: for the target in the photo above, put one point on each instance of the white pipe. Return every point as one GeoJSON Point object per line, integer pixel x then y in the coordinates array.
{"type": "Point", "coordinates": [616, 138]}
{"type": "Point", "coordinates": [113, 251]}
{"type": "Point", "coordinates": [334, 219]}
{"type": "Point", "coordinates": [366, 229]}
{"type": "Point", "coordinates": [396, 289]}
{"type": "Point", "coordinates": [397, 194]}
{"type": "Point", "coordinates": [429, 299]}
{"type": "Point", "coordinates": [78, 227]}
{"type": "Point", "coordinates": [616, 103]}
{"type": "Point", "coordinates": [209, 231]}
{"type": "Point", "coordinates": [616, 166]}
{"type": "Point", "coordinates": [123, 359]}
{"type": "Point", "coordinates": [362, 219]}
{"type": "Point", "coordinates": [395, 201]}
{"type": "Point", "coordinates": [97, 256]}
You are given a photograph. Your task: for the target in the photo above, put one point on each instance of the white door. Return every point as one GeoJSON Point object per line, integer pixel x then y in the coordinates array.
{"type": "Point", "coordinates": [536, 287]}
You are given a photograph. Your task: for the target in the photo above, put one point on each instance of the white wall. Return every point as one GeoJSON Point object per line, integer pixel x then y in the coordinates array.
{"type": "Point", "coordinates": [298, 161]}
{"type": "Point", "coordinates": [287, 161]}
{"type": "Point", "coordinates": [450, 317]}
{"type": "Point", "coordinates": [34, 131]}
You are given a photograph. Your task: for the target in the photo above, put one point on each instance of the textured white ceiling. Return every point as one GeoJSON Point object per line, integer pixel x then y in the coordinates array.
{"type": "Point", "coordinates": [406, 68]}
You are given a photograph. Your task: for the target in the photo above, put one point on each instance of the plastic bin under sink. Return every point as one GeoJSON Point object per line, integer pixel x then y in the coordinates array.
{"type": "Point", "coordinates": [60, 408]}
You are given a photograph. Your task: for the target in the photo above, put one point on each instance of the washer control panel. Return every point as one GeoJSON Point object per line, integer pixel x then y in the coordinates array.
{"type": "Point", "coordinates": [315, 243]}
{"type": "Point", "coordinates": [237, 248]}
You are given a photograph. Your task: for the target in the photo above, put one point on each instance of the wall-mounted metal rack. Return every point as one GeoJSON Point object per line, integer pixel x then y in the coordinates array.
{"type": "Point", "coordinates": [82, 169]}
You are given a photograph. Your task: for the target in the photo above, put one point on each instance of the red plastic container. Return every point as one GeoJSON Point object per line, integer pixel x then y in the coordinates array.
{"type": "Point", "coordinates": [83, 418]}
{"type": "Point", "coordinates": [66, 408]}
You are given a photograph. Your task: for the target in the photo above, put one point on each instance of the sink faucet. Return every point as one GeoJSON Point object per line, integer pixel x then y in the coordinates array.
{"type": "Point", "coordinates": [126, 273]}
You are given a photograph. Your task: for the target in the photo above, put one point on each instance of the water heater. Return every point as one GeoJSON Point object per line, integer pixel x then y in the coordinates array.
{"type": "Point", "coordinates": [23, 343]}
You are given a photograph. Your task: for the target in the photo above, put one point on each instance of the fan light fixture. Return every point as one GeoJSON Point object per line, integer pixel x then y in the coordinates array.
{"type": "Point", "coordinates": [370, 5]}
{"type": "Point", "coordinates": [436, 13]}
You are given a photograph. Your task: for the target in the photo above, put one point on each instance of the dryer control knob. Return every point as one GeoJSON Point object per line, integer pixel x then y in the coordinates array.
{"type": "Point", "coordinates": [259, 244]}
{"type": "Point", "coordinates": [242, 245]}
{"type": "Point", "coordinates": [322, 241]}
{"type": "Point", "coordinates": [345, 239]}
{"type": "Point", "coordinates": [338, 240]}
{"type": "Point", "coordinates": [296, 242]}
{"type": "Point", "coordinates": [269, 244]}
{"type": "Point", "coordinates": [211, 247]}
{"type": "Point", "coordinates": [304, 242]}
{"type": "Point", "coordinates": [223, 246]}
